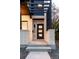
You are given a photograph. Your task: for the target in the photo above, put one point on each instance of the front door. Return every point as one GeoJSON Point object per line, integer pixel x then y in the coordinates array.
{"type": "Point", "coordinates": [40, 31]}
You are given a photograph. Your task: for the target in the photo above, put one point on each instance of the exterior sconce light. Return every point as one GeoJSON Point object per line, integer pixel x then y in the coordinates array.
{"type": "Point", "coordinates": [34, 26]}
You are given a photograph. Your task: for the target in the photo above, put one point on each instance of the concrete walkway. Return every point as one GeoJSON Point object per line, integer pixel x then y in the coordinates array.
{"type": "Point", "coordinates": [38, 55]}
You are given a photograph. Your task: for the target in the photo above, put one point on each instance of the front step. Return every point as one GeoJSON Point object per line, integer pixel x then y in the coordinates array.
{"type": "Point", "coordinates": [38, 48]}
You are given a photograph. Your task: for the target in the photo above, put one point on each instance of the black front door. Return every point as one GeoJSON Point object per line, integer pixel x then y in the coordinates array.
{"type": "Point", "coordinates": [40, 31]}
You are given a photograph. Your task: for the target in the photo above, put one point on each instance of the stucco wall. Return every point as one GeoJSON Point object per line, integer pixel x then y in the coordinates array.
{"type": "Point", "coordinates": [24, 37]}
{"type": "Point", "coordinates": [51, 37]}
{"type": "Point", "coordinates": [29, 20]}
{"type": "Point", "coordinates": [45, 32]}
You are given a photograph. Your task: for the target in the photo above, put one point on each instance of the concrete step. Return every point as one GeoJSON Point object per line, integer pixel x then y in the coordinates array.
{"type": "Point", "coordinates": [38, 48]}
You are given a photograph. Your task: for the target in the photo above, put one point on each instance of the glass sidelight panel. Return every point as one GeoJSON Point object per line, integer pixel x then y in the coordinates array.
{"type": "Point", "coordinates": [40, 35]}
{"type": "Point", "coordinates": [40, 26]}
{"type": "Point", "coordinates": [40, 30]}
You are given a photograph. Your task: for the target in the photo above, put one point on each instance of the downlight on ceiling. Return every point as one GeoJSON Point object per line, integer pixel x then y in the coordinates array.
{"type": "Point", "coordinates": [40, 5]}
